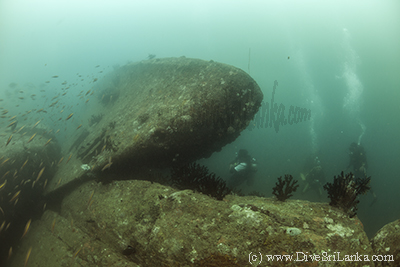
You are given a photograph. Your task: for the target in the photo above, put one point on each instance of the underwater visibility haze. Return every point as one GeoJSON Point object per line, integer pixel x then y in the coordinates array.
{"type": "Point", "coordinates": [338, 60]}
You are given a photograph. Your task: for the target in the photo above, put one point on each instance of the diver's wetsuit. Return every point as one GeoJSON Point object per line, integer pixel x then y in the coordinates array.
{"type": "Point", "coordinates": [358, 160]}
{"type": "Point", "coordinates": [243, 169]}
{"type": "Point", "coordinates": [315, 177]}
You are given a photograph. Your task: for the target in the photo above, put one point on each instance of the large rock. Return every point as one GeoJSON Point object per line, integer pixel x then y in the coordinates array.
{"type": "Point", "coordinates": [160, 112]}
{"type": "Point", "coordinates": [386, 245]}
{"type": "Point", "coordinates": [137, 223]}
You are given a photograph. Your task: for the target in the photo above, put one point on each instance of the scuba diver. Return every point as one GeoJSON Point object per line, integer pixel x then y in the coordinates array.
{"type": "Point", "coordinates": [313, 176]}
{"type": "Point", "coordinates": [242, 168]}
{"type": "Point", "coordinates": [358, 162]}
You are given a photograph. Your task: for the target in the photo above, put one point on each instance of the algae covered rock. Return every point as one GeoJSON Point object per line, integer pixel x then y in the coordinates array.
{"type": "Point", "coordinates": [386, 245]}
{"type": "Point", "coordinates": [162, 111]}
{"type": "Point", "coordinates": [139, 223]}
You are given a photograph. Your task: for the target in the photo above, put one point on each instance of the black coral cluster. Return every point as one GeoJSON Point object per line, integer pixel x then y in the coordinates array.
{"type": "Point", "coordinates": [283, 189]}
{"type": "Point", "coordinates": [196, 177]}
{"type": "Point", "coordinates": [344, 191]}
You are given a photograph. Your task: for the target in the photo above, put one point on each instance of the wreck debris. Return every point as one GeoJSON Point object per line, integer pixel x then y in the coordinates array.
{"type": "Point", "coordinates": [283, 189]}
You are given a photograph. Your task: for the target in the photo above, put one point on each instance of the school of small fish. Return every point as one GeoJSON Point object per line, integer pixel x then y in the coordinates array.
{"type": "Point", "coordinates": [31, 115]}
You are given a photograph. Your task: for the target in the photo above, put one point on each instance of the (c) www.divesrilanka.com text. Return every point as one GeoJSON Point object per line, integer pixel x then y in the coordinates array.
{"type": "Point", "coordinates": [258, 258]}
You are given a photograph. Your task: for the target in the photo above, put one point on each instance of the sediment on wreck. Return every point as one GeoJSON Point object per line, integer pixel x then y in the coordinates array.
{"type": "Point", "coordinates": [139, 223]}
{"type": "Point", "coordinates": [162, 112]}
